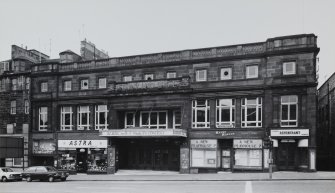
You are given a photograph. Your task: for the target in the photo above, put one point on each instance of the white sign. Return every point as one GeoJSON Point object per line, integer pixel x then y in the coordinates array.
{"type": "Point", "coordinates": [143, 132]}
{"type": "Point", "coordinates": [82, 143]}
{"type": "Point", "coordinates": [248, 143]}
{"type": "Point", "coordinates": [290, 132]}
{"type": "Point", "coordinates": [204, 143]}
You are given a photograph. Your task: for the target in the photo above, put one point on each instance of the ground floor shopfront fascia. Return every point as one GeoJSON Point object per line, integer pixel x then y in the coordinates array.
{"type": "Point", "coordinates": [292, 149]}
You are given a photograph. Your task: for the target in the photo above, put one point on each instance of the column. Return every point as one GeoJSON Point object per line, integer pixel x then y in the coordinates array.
{"type": "Point", "coordinates": [184, 159]}
{"type": "Point", "coordinates": [111, 160]}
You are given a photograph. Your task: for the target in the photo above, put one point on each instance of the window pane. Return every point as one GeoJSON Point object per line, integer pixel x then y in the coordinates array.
{"type": "Point", "coordinates": [84, 118]}
{"type": "Point", "coordinates": [177, 117]}
{"type": "Point", "coordinates": [102, 118]}
{"type": "Point", "coordinates": [145, 117]}
{"type": "Point", "coordinates": [201, 116]}
{"type": "Point", "coordinates": [130, 118]}
{"type": "Point", "coordinates": [201, 103]}
{"type": "Point", "coordinates": [153, 119]}
{"type": "Point", "coordinates": [162, 118]}
{"type": "Point", "coordinates": [225, 115]}
{"type": "Point", "coordinates": [67, 119]}
{"type": "Point", "coordinates": [251, 101]}
{"type": "Point", "coordinates": [251, 114]}
{"type": "Point", "coordinates": [293, 112]}
{"type": "Point", "coordinates": [284, 113]}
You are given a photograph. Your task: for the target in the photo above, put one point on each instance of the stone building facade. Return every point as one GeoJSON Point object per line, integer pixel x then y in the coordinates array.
{"type": "Point", "coordinates": [326, 126]}
{"type": "Point", "coordinates": [15, 105]}
{"type": "Point", "coordinates": [193, 111]}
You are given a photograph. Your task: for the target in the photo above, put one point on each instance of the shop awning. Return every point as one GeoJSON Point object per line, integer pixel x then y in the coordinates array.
{"type": "Point", "coordinates": [127, 133]}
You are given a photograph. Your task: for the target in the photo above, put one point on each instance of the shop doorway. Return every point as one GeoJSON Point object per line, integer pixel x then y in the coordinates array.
{"type": "Point", "coordinates": [82, 160]}
{"type": "Point", "coordinates": [286, 155]}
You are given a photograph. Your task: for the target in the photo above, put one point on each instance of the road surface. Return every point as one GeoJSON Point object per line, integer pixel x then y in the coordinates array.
{"type": "Point", "coordinates": [286, 186]}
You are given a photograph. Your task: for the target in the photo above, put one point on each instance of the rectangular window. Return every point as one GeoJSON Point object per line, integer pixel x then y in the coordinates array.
{"type": "Point", "coordinates": [148, 76]}
{"type": "Point", "coordinates": [102, 82]}
{"type": "Point", "coordinates": [252, 112]}
{"type": "Point", "coordinates": [5, 66]}
{"type": "Point", "coordinates": [289, 68]}
{"type": "Point", "coordinates": [154, 119]}
{"type": "Point", "coordinates": [127, 78]}
{"type": "Point", "coordinates": [201, 75]}
{"type": "Point", "coordinates": [203, 158]}
{"type": "Point", "coordinates": [225, 113]}
{"type": "Point", "coordinates": [83, 118]}
{"type": "Point", "coordinates": [13, 107]}
{"type": "Point", "coordinates": [171, 75]}
{"type": "Point", "coordinates": [20, 82]}
{"type": "Point", "coordinates": [27, 83]}
{"type": "Point", "coordinates": [43, 118]}
{"type": "Point", "coordinates": [66, 118]}
{"type": "Point", "coordinates": [176, 119]}
{"type": "Point", "coordinates": [252, 71]}
{"type": "Point", "coordinates": [67, 85]}
{"type": "Point", "coordinates": [248, 158]}
{"type": "Point", "coordinates": [101, 112]}
{"type": "Point", "coordinates": [84, 84]}
{"type": "Point", "coordinates": [26, 106]}
{"type": "Point", "coordinates": [129, 120]}
{"type": "Point", "coordinates": [17, 162]}
{"type": "Point", "coordinates": [14, 84]}
{"type": "Point", "coordinates": [226, 73]}
{"type": "Point", "coordinates": [289, 111]}
{"type": "Point", "coordinates": [44, 87]}
{"type": "Point", "coordinates": [200, 114]}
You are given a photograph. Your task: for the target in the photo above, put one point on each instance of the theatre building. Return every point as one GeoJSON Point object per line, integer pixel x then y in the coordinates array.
{"type": "Point", "coordinates": [192, 111]}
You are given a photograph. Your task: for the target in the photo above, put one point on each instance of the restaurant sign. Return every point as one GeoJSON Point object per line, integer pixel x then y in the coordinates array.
{"type": "Point", "coordinates": [82, 143]}
{"type": "Point", "coordinates": [143, 133]}
{"type": "Point", "coordinates": [248, 143]}
{"type": "Point", "coordinates": [204, 143]}
{"type": "Point", "coordinates": [290, 133]}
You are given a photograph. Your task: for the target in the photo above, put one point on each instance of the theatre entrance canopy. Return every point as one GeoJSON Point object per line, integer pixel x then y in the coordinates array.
{"type": "Point", "coordinates": [145, 133]}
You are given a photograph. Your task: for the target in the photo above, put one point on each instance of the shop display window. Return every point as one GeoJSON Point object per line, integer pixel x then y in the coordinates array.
{"type": "Point", "coordinates": [67, 160]}
{"type": "Point", "coordinates": [203, 158]}
{"type": "Point", "coordinates": [248, 157]}
{"type": "Point", "coordinates": [97, 160]}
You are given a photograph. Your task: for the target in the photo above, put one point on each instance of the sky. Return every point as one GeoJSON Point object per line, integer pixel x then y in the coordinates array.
{"type": "Point", "coordinates": [132, 27]}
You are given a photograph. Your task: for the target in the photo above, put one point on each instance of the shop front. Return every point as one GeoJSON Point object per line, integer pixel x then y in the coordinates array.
{"type": "Point", "coordinates": [204, 155]}
{"type": "Point", "coordinates": [43, 152]}
{"type": "Point", "coordinates": [248, 154]}
{"type": "Point", "coordinates": [83, 156]}
{"type": "Point", "coordinates": [227, 150]}
{"type": "Point", "coordinates": [291, 149]}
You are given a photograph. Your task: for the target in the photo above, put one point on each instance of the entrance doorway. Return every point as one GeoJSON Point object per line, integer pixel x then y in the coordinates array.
{"type": "Point", "coordinates": [148, 154]}
{"type": "Point", "coordinates": [81, 160]}
{"type": "Point", "coordinates": [286, 155]}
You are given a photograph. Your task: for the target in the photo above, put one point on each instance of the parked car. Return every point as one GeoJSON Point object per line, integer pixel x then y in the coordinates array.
{"type": "Point", "coordinates": [44, 173]}
{"type": "Point", "coordinates": [7, 174]}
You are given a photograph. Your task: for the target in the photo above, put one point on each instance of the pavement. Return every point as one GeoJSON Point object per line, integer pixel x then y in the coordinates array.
{"type": "Point", "coordinates": [139, 175]}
